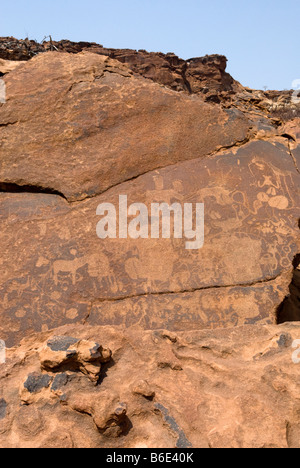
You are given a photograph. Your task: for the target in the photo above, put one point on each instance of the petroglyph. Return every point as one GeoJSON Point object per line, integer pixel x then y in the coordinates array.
{"type": "Point", "coordinates": [251, 237]}
{"type": "Point", "coordinates": [95, 265]}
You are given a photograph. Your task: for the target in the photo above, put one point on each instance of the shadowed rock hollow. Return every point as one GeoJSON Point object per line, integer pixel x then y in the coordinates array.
{"type": "Point", "coordinates": [81, 126]}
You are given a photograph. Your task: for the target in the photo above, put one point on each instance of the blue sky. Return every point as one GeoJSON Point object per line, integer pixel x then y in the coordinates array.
{"type": "Point", "coordinates": [259, 37]}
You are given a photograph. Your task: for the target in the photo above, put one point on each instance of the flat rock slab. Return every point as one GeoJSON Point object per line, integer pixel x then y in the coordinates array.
{"type": "Point", "coordinates": [79, 124]}
{"type": "Point", "coordinates": [55, 270]}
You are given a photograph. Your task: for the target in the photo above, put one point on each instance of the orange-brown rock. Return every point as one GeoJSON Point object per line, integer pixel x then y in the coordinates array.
{"type": "Point", "coordinates": [206, 75]}
{"type": "Point", "coordinates": [7, 66]}
{"type": "Point", "coordinates": [218, 388]}
{"type": "Point", "coordinates": [80, 124]}
{"type": "Point", "coordinates": [80, 130]}
{"type": "Point", "coordinates": [143, 342]}
{"type": "Point", "coordinates": [241, 275]}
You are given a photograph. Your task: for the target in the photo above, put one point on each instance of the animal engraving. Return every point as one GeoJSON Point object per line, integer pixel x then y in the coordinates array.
{"type": "Point", "coordinates": [97, 266]}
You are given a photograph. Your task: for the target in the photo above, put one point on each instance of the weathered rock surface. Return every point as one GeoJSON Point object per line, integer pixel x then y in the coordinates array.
{"type": "Point", "coordinates": [83, 125]}
{"type": "Point", "coordinates": [7, 66]}
{"type": "Point", "coordinates": [80, 130]}
{"type": "Point", "coordinates": [221, 388]}
{"type": "Point", "coordinates": [241, 275]}
{"type": "Point", "coordinates": [80, 124]}
{"type": "Point", "coordinates": [206, 75]}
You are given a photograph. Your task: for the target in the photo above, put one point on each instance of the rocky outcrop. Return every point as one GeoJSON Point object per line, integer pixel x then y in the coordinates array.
{"type": "Point", "coordinates": [139, 341]}
{"type": "Point", "coordinates": [206, 75]}
{"type": "Point", "coordinates": [19, 50]}
{"type": "Point", "coordinates": [80, 130]}
{"type": "Point", "coordinates": [221, 388]}
{"type": "Point", "coordinates": [101, 125]}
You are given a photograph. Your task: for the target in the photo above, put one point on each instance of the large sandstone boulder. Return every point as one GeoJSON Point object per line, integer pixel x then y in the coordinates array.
{"type": "Point", "coordinates": [81, 124]}
{"type": "Point", "coordinates": [81, 130]}
{"type": "Point", "coordinates": [205, 75]}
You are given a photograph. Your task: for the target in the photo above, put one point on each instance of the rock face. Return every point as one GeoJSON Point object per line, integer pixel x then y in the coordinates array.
{"type": "Point", "coordinates": [234, 388]}
{"type": "Point", "coordinates": [101, 125]}
{"type": "Point", "coordinates": [81, 130]}
{"type": "Point", "coordinates": [83, 127]}
{"type": "Point", "coordinates": [205, 75]}
{"type": "Point", "coordinates": [7, 66]}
